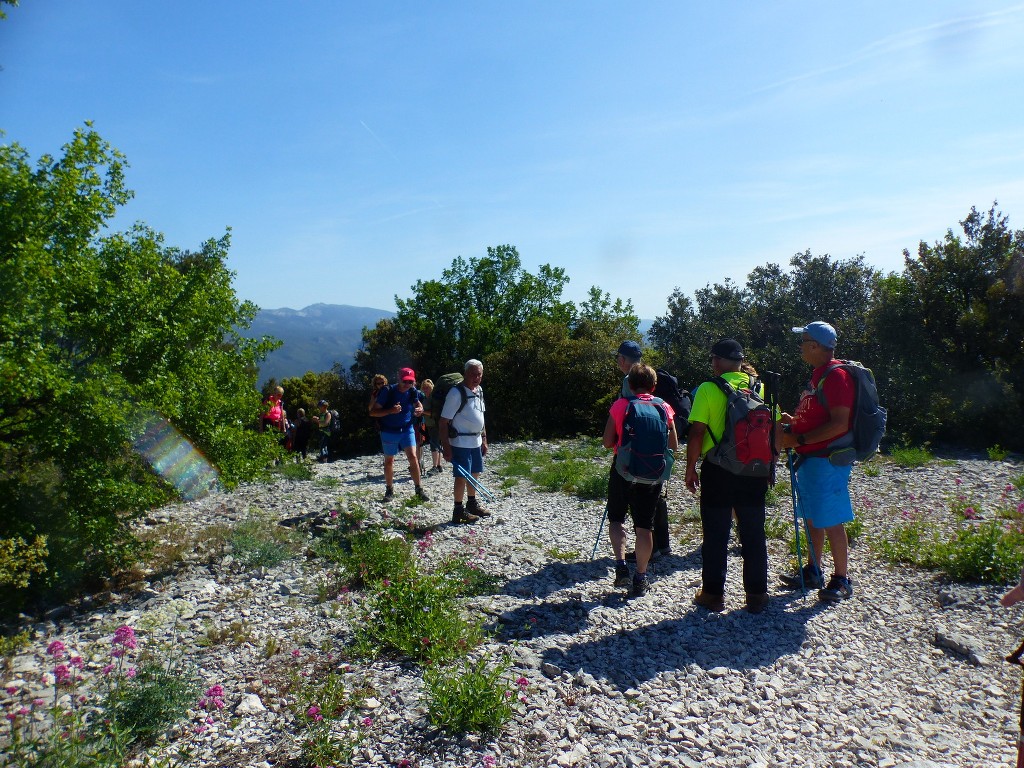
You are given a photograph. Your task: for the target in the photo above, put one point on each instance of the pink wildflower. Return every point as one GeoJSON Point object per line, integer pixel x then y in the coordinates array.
{"type": "Point", "coordinates": [522, 682]}
{"type": "Point", "coordinates": [296, 653]}
{"type": "Point", "coordinates": [314, 712]}
{"type": "Point", "coordinates": [10, 716]}
{"type": "Point", "coordinates": [489, 761]}
{"type": "Point", "coordinates": [77, 662]}
{"type": "Point", "coordinates": [38, 702]}
{"type": "Point", "coordinates": [11, 690]}
{"type": "Point", "coordinates": [386, 582]}
{"type": "Point", "coordinates": [957, 480]}
{"type": "Point", "coordinates": [23, 710]}
{"type": "Point", "coordinates": [215, 690]}
{"type": "Point", "coordinates": [117, 653]}
{"type": "Point", "coordinates": [62, 672]}
{"type": "Point", "coordinates": [367, 722]}
{"type": "Point", "coordinates": [56, 649]}
{"type": "Point", "coordinates": [970, 514]}
{"type": "Point", "coordinates": [130, 672]}
{"type": "Point", "coordinates": [108, 669]}
{"type": "Point", "coordinates": [200, 729]}
{"type": "Point", "coordinates": [125, 636]}
{"type": "Point", "coordinates": [1020, 508]}
{"type": "Point", "coordinates": [334, 513]}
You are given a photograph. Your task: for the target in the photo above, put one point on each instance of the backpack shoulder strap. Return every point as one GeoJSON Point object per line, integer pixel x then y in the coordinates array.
{"type": "Point", "coordinates": [820, 389]}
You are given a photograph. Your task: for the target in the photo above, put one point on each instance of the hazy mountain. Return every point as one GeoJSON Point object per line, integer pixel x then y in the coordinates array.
{"type": "Point", "coordinates": [315, 338]}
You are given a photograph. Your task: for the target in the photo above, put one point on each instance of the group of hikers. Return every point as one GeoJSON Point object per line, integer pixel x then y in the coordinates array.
{"type": "Point", "coordinates": [736, 430]}
{"type": "Point", "coordinates": [733, 426]}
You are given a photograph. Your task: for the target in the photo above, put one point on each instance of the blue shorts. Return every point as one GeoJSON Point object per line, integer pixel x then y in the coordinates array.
{"type": "Point", "coordinates": [823, 492]}
{"type": "Point", "coordinates": [470, 459]}
{"type": "Point", "coordinates": [393, 442]}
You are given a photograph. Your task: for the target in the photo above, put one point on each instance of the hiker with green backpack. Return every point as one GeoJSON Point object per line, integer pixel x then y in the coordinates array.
{"type": "Point", "coordinates": [732, 431]}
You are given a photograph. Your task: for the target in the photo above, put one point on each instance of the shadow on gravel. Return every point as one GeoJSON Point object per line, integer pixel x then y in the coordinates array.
{"type": "Point", "coordinates": [734, 640]}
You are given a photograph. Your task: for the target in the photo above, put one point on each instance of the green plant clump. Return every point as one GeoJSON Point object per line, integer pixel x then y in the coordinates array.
{"type": "Point", "coordinates": [472, 695]}
{"type": "Point", "coordinates": [416, 615]}
{"type": "Point", "coordinates": [906, 456]}
{"type": "Point", "coordinates": [261, 544]}
{"type": "Point", "coordinates": [997, 453]}
{"type": "Point", "coordinates": [154, 699]}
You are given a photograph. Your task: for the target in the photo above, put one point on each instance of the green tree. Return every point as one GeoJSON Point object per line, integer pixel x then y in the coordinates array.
{"type": "Point", "coordinates": [476, 306]}
{"type": "Point", "coordinates": [99, 332]}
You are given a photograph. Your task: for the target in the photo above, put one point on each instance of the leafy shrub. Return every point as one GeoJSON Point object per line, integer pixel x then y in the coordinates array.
{"type": "Point", "coordinates": [906, 456]}
{"type": "Point", "coordinates": [153, 700]}
{"type": "Point", "coordinates": [291, 470]}
{"type": "Point", "coordinates": [468, 577]}
{"type": "Point", "coordinates": [261, 543]}
{"type": "Point", "coordinates": [472, 695]}
{"type": "Point", "coordinates": [997, 453]}
{"type": "Point", "coordinates": [989, 553]}
{"type": "Point", "coordinates": [368, 556]}
{"type": "Point", "coordinates": [416, 615]}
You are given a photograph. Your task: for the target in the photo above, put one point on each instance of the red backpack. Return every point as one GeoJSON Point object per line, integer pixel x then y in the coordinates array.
{"type": "Point", "coordinates": [747, 447]}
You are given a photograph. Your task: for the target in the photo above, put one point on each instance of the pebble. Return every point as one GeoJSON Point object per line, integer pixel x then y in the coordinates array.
{"type": "Point", "coordinates": [904, 675]}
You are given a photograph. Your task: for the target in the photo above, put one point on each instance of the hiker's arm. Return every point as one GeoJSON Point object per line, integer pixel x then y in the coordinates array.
{"type": "Point", "coordinates": [377, 411]}
{"type": "Point", "coordinates": [673, 439]}
{"type": "Point", "coordinates": [695, 440]}
{"type": "Point", "coordinates": [610, 438]}
{"type": "Point", "coordinates": [837, 424]}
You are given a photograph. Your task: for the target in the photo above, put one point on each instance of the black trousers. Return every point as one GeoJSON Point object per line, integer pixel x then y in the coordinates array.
{"type": "Point", "coordinates": [662, 539]}
{"type": "Point", "coordinates": [721, 494]}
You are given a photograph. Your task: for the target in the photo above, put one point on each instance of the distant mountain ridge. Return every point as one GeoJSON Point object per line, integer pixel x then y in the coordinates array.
{"type": "Point", "coordinates": [315, 338]}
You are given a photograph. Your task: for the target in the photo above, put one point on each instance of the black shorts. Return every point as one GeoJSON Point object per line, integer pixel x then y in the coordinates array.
{"type": "Point", "coordinates": [638, 499]}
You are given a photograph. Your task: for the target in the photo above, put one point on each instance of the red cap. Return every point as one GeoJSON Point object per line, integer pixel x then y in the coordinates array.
{"type": "Point", "coordinates": [407, 374]}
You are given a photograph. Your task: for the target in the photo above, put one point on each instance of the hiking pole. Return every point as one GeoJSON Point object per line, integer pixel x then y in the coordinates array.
{"type": "Point", "coordinates": [796, 527]}
{"type": "Point", "coordinates": [600, 528]}
{"type": "Point", "coordinates": [772, 399]}
{"type": "Point", "coordinates": [475, 483]}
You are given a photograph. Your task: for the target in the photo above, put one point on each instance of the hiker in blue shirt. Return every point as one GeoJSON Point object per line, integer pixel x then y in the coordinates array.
{"type": "Point", "coordinates": [397, 407]}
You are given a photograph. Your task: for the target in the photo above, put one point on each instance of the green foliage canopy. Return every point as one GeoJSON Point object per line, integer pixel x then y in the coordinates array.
{"type": "Point", "coordinates": [97, 332]}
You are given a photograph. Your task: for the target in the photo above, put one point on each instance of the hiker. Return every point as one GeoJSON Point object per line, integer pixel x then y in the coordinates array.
{"type": "Point", "coordinates": [464, 439]}
{"type": "Point", "coordinates": [822, 489]}
{"type": "Point", "coordinates": [396, 407]}
{"type": "Point", "coordinates": [433, 437]}
{"type": "Point", "coordinates": [274, 416]}
{"type": "Point", "coordinates": [626, 356]}
{"type": "Point", "coordinates": [722, 492]}
{"type": "Point", "coordinates": [379, 382]}
{"type": "Point", "coordinates": [1015, 595]}
{"type": "Point", "coordinates": [323, 420]}
{"type": "Point", "coordinates": [303, 430]}
{"type": "Point", "coordinates": [637, 495]}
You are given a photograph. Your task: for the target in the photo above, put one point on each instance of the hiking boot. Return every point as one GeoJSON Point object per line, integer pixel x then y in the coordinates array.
{"type": "Point", "coordinates": [437, 470]}
{"type": "Point", "coordinates": [641, 585]}
{"type": "Point", "coordinates": [623, 578]}
{"type": "Point", "coordinates": [422, 494]}
{"type": "Point", "coordinates": [714, 603]}
{"type": "Point", "coordinates": [474, 506]}
{"type": "Point", "coordinates": [461, 516]}
{"type": "Point", "coordinates": [757, 602]}
{"type": "Point", "coordinates": [838, 588]}
{"type": "Point", "coordinates": [389, 493]}
{"type": "Point", "coordinates": [812, 578]}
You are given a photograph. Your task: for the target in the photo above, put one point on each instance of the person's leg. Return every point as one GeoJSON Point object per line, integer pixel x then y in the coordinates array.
{"type": "Point", "coordinates": [643, 502]}
{"type": "Point", "coordinates": [662, 538]}
{"type": "Point", "coordinates": [389, 471]}
{"type": "Point", "coordinates": [477, 467]}
{"type": "Point", "coordinates": [414, 464]}
{"type": "Point", "coordinates": [461, 457]}
{"type": "Point", "coordinates": [716, 524]}
{"type": "Point", "coordinates": [840, 546]}
{"type": "Point", "coordinates": [754, 549]}
{"type": "Point", "coordinates": [617, 537]}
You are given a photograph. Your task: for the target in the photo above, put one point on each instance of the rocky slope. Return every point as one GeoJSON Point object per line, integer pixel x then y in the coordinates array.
{"type": "Point", "coordinates": [908, 673]}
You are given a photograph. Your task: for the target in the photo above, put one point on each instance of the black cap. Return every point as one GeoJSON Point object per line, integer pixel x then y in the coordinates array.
{"type": "Point", "coordinates": [728, 349]}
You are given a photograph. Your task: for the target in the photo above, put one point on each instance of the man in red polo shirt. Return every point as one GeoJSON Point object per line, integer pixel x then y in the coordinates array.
{"type": "Point", "coordinates": [823, 489]}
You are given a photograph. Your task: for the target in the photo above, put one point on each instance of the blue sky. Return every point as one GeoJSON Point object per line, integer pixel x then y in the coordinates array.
{"type": "Point", "coordinates": [354, 148]}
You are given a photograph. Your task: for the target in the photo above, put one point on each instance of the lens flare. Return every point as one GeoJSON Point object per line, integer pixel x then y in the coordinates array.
{"type": "Point", "coordinates": [174, 458]}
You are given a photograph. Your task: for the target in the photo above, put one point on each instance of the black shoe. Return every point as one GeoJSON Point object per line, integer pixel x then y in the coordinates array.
{"type": "Point", "coordinates": [839, 588]}
{"type": "Point", "coordinates": [623, 578]}
{"type": "Point", "coordinates": [812, 578]}
{"type": "Point", "coordinates": [422, 494]}
{"type": "Point", "coordinates": [641, 586]}
{"type": "Point", "coordinates": [461, 516]}
{"type": "Point", "coordinates": [757, 602]}
{"type": "Point", "coordinates": [389, 493]}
